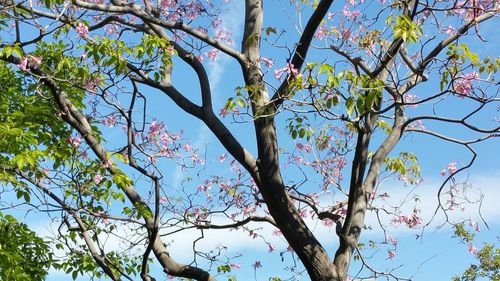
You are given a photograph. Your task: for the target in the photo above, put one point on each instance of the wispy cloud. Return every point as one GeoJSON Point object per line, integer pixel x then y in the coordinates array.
{"type": "Point", "coordinates": [238, 241]}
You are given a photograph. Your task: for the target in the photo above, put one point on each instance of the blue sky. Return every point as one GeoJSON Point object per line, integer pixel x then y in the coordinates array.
{"type": "Point", "coordinates": [436, 256]}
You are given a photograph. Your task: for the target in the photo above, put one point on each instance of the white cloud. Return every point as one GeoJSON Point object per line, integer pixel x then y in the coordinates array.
{"type": "Point", "coordinates": [238, 240]}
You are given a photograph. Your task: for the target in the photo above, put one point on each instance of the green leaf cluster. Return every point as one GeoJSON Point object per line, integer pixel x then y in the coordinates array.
{"type": "Point", "coordinates": [406, 29]}
{"type": "Point", "coordinates": [23, 255]}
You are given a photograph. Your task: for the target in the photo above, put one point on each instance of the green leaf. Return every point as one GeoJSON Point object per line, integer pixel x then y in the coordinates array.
{"type": "Point", "coordinates": [270, 30]}
{"type": "Point", "coordinates": [349, 104]}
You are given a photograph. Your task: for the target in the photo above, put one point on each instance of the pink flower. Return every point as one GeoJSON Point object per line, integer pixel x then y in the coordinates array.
{"type": "Point", "coordinates": [212, 54]}
{"type": "Point", "coordinates": [411, 222]}
{"type": "Point", "coordinates": [166, 4]}
{"type": "Point", "coordinates": [352, 15]}
{"type": "Point", "coordinates": [75, 141]}
{"type": "Point", "coordinates": [391, 254]}
{"type": "Point", "coordinates": [91, 83]}
{"type": "Point", "coordinates": [303, 213]}
{"type": "Point", "coordinates": [222, 158]}
{"type": "Point", "coordinates": [235, 265]}
{"type": "Point", "coordinates": [463, 85]}
{"type": "Point", "coordinates": [393, 241]}
{"type": "Point", "coordinates": [411, 99]}
{"type": "Point", "coordinates": [443, 172]}
{"type": "Point", "coordinates": [110, 121]}
{"type": "Point", "coordinates": [475, 225]}
{"type": "Point", "coordinates": [223, 112]}
{"type": "Point", "coordinates": [268, 62]}
{"type": "Point", "coordinates": [472, 249]}
{"type": "Point", "coordinates": [155, 127]}
{"type": "Point", "coordinates": [97, 179]}
{"type": "Point", "coordinates": [321, 33]}
{"type": "Point", "coordinates": [304, 147]}
{"type": "Point", "coordinates": [271, 247]}
{"type": "Point", "coordinates": [471, 76]}
{"type": "Point", "coordinates": [35, 61]}
{"type": "Point", "coordinates": [248, 210]}
{"type": "Point", "coordinates": [290, 69]}
{"type": "Point", "coordinates": [452, 167]}
{"type": "Point", "coordinates": [103, 215]}
{"type": "Point", "coordinates": [186, 147]}
{"type": "Point", "coordinates": [276, 232]}
{"type": "Point", "coordinates": [23, 65]}
{"type": "Point", "coordinates": [163, 199]}
{"type": "Point", "coordinates": [327, 222]}
{"type": "Point", "coordinates": [205, 187]}
{"type": "Point", "coordinates": [449, 30]}
{"type": "Point", "coordinates": [82, 30]}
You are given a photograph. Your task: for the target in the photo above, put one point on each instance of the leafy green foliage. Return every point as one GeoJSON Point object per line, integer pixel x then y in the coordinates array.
{"type": "Point", "coordinates": [488, 267]}
{"type": "Point", "coordinates": [23, 255]}
{"type": "Point", "coordinates": [462, 233]}
{"type": "Point", "coordinates": [29, 125]}
{"type": "Point", "coordinates": [405, 165]}
{"type": "Point", "coordinates": [488, 257]}
{"type": "Point", "coordinates": [79, 263]}
{"type": "Point", "coordinates": [406, 29]}
{"type": "Point", "coordinates": [299, 128]}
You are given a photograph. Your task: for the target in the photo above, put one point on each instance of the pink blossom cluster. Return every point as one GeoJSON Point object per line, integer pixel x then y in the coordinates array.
{"type": "Point", "coordinates": [328, 222]}
{"type": "Point", "coordinates": [75, 141]}
{"type": "Point", "coordinates": [224, 35]}
{"type": "Point", "coordinates": [322, 32]}
{"type": "Point", "coordinates": [289, 69]}
{"type": "Point", "coordinates": [307, 148]}
{"type": "Point", "coordinates": [109, 121]}
{"type": "Point", "coordinates": [91, 84]}
{"type": "Point", "coordinates": [475, 225]}
{"type": "Point", "coordinates": [391, 254]}
{"type": "Point", "coordinates": [212, 54]}
{"type": "Point", "coordinates": [411, 99]}
{"type": "Point", "coordinates": [176, 11]}
{"type": "Point", "coordinates": [33, 61]}
{"type": "Point", "coordinates": [97, 179]}
{"type": "Point", "coordinates": [225, 112]}
{"type": "Point", "coordinates": [82, 30]}
{"type": "Point", "coordinates": [411, 221]}
{"type": "Point", "coordinates": [471, 249]}
{"type": "Point", "coordinates": [473, 8]}
{"type": "Point", "coordinates": [392, 240]}
{"type": "Point", "coordinates": [449, 30]}
{"type": "Point", "coordinates": [451, 169]}
{"type": "Point", "coordinates": [207, 186]}
{"type": "Point", "coordinates": [463, 85]}
{"type": "Point", "coordinates": [103, 215]}
{"type": "Point", "coordinates": [417, 125]}
{"type": "Point", "coordinates": [267, 62]}
{"type": "Point", "coordinates": [351, 15]}
{"type": "Point", "coordinates": [159, 142]}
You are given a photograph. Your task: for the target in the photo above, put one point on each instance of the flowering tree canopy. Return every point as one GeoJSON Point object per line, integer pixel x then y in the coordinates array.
{"type": "Point", "coordinates": [99, 100]}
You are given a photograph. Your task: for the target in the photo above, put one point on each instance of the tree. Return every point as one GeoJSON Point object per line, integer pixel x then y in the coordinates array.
{"type": "Point", "coordinates": [74, 71]}
{"type": "Point", "coordinates": [23, 255]}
